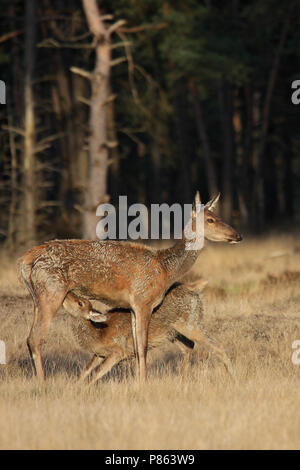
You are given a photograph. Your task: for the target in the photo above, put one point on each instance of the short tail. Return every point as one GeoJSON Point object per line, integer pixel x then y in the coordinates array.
{"type": "Point", "coordinates": [24, 273]}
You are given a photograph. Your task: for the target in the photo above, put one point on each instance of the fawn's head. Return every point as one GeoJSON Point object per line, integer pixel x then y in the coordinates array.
{"type": "Point", "coordinates": [82, 308]}
{"type": "Point", "coordinates": [214, 228]}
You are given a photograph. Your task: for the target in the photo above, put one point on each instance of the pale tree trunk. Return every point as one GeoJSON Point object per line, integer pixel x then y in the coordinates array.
{"type": "Point", "coordinates": [114, 156]}
{"type": "Point", "coordinates": [29, 181]}
{"type": "Point", "coordinates": [98, 150]}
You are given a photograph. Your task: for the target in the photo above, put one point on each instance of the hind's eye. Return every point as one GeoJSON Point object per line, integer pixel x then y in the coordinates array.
{"type": "Point", "coordinates": [210, 221]}
{"type": "Point", "coordinates": [80, 303]}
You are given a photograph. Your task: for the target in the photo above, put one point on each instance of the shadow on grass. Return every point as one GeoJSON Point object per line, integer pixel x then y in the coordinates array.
{"type": "Point", "coordinates": [54, 364]}
{"type": "Point", "coordinates": [72, 365]}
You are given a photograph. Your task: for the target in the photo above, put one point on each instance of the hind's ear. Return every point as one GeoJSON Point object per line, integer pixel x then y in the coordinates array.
{"type": "Point", "coordinates": [197, 198]}
{"type": "Point", "coordinates": [212, 203]}
{"type": "Point", "coordinates": [197, 202]}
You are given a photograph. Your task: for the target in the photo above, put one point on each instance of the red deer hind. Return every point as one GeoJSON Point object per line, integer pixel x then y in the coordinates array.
{"type": "Point", "coordinates": [126, 274]}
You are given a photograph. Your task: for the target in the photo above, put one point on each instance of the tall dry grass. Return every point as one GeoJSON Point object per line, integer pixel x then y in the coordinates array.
{"type": "Point", "coordinates": [251, 307]}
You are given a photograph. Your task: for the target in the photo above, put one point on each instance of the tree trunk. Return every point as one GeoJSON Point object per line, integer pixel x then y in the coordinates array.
{"type": "Point", "coordinates": [98, 150]}
{"type": "Point", "coordinates": [257, 188]}
{"type": "Point", "coordinates": [288, 185]}
{"type": "Point", "coordinates": [156, 168]}
{"type": "Point", "coordinates": [258, 182]}
{"type": "Point", "coordinates": [225, 97]}
{"type": "Point", "coordinates": [240, 158]}
{"type": "Point", "coordinates": [65, 113]}
{"type": "Point", "coordinates": [203, 137]}
{"type": "Point", "coordinates": [15, 114]}
{"type": "Point", "coordinates": [17, 69]}
{"type": "Point", "coordinates": [12, 219]}
{"type": "Point", "coordinates": [114, 156]}
{"type": "Point", "coordinates": [29, 122]}
{"type": "Point", "coordinates": [247, 170]}
{"type": "Point", "coordinates": [156, 148]}
{"type": "Point", "coordinates": [79, 164]}
{"type": "Point", "coordinates": [182, 144]}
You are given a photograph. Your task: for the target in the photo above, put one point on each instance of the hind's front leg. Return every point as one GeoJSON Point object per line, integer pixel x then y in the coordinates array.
{"type": "Point", "coordinates": [142, 318]}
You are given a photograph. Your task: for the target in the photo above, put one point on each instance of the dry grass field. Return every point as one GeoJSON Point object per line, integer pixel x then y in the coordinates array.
{"type": "Point", "coordinates": [252, 306]}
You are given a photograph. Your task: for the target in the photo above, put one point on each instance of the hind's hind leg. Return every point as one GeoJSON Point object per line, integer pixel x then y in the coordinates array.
{"type": "Point", "coordinates": [32, 357]}
{"type": "Point", "coordinates": [49, 304]}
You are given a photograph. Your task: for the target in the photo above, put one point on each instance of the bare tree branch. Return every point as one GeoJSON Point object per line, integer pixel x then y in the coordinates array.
{"type": "Point", "coordinates": [10, 35]}
{"type": "Point", "coordinates": [138, 29]}
{"type": "Point", "coordinates": [115, 26]}
{"type": "Point", "coordinates": [16, 130]}
{"type": "Point", "coordinates": [82, 72]}
{"type": "Point", "coordinates": [117, 61]}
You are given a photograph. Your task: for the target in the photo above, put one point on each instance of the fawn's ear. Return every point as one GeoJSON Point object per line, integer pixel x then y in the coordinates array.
{"type": "Point", "coordinates": [212, 203]}
{"type": "Point", "coordinates": [197, 285]}
{"type": "Point", "coordinates": [96, 317]}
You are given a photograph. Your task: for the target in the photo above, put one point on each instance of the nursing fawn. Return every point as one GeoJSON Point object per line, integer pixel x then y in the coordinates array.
{"type": "Point", "coordinates": [178, 320]}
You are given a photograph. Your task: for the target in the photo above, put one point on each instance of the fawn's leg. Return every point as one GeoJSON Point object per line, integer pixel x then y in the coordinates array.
{"type": "Point", "coordinates": [187, 354]}
{"type": "Point", "coordinates": [105, 367]}
{"type": "Point", "coordinates": [199, 335]}
{"type": "Point", "coordinates": [49, 303]}
{"type": "Point", "coordinates": [90, 366]}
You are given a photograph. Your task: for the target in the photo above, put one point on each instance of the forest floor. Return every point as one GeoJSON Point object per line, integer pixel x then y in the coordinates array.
{"type": "Point", "coordinates": [252, 306]}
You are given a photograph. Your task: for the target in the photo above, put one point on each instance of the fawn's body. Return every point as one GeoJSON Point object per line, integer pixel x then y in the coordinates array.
{"type": "Point", "coordinates": [177, 319]}
{"type": "Point", "coordinates": [125, 274]}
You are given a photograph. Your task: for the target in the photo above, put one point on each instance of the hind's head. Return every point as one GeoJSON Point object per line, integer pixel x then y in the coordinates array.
{"type": "Point", "coordinates": [215, 229]}
{"type": "Point", "coordinates": [82, 308]}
